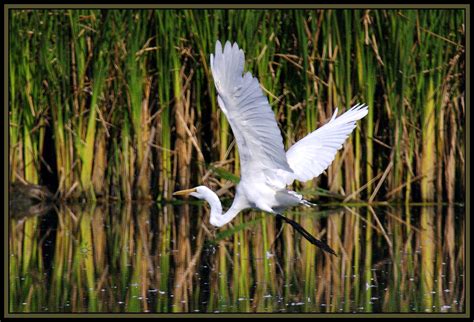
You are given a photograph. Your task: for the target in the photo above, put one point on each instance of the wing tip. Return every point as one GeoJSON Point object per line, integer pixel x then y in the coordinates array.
{"type": "Point", "coordinates": [353, 114]}
{"type": "Point", "coordinates": [218, 46]}
{"type": "Point", "coordinates": [227, 64]}
{"type": "Point", "coordinates": [360, 107]}
{"type": "Point", "coordinates": [228, 47]}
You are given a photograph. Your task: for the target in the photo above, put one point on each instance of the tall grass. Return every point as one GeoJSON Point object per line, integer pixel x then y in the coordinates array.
{"type": "Point", "coordinates": [130, 100]}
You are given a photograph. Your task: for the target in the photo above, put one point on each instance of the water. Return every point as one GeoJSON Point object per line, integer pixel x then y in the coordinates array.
{"type": "Point", "coordinates": [167, 258]}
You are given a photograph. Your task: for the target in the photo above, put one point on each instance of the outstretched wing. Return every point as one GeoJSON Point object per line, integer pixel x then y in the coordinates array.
{"type": "Point", "coordinates": [310, 156]}
{"type": "Point", "coordinates": [249, 114]}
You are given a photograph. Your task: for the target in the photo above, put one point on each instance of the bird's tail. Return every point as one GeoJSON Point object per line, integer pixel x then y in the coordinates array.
{"type": "Point", "coordinates": [299, 199]}
{"type": "Point", "coordinates": [307, 203]}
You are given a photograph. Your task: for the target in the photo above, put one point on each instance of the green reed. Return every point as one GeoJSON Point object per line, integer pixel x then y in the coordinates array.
{"type": "Point", "coordinates": [129, 99]}
{"type": "Point", "coordinates": [27, 138]}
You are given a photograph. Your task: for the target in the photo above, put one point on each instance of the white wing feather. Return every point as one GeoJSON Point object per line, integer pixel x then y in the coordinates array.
{"type": "Point", "coordinates": [249, 114]}
{"type": "Point", "coordinates": [310, 156]}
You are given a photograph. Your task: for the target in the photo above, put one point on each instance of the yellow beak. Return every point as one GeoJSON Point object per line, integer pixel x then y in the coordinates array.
{"type": "Point", "coordinates": [184, 192]}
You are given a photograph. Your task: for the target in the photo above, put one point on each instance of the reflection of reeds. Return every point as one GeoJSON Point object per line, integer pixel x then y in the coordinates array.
{"type": "Point", "coordinates": [126, 98]}
{"type": "Point", "coordinates": [142, 258]}
{"type": "Point", "coordinates": [427, 245]}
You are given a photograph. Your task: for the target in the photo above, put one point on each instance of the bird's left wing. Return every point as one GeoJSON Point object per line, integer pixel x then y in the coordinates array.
{"type": "Point", "coordinates": [249, 114]}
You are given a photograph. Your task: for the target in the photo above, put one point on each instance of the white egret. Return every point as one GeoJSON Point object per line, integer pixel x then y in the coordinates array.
{"type": "Point", "coordinates": [266, 170]}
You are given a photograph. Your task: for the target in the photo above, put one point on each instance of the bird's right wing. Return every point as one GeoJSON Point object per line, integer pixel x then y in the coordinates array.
{"type": "Point", "coordinates": [249, 114]}
{"type": "Point", "coordinates": [310, 156]}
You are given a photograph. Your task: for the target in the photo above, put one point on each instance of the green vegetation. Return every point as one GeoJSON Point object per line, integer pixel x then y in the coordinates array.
{"type": "Point", "coordinates": [127, 101]}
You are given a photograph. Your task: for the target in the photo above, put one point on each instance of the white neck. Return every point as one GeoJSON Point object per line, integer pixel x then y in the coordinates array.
{"type": "Point", "coordinates": [217, 218]}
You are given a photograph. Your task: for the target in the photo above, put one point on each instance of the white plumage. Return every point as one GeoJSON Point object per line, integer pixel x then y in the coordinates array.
{"type": "Point", "coordinates": [266, 169]}
{"type": "Point", "coordinates": [252, 120]}
{"type": "Point", "coordinates": [311, 155]}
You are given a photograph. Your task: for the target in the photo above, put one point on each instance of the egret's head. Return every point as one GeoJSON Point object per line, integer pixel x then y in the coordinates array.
{"type": "Point", "coordinates": [203, 192]}
{"type": "Point", "coordinates": [199, 192]}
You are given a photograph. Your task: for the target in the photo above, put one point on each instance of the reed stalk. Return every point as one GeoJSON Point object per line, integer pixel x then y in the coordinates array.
{"type": "Point", "coordinates": [138, 91]}
{"type": "Point", "coordinates": [101, 87]}
{"type": "Point", "coordinates": [428, 151]}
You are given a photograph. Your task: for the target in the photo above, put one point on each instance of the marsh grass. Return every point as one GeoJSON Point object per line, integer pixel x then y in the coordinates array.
{"type": "Point", "coordinates": [130, 100]}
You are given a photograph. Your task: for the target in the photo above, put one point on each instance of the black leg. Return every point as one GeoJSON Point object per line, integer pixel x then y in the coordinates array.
{"type": "Point", "coordinates": [279, 226]}
{"type": "Point", "coordinates": [307, 235]}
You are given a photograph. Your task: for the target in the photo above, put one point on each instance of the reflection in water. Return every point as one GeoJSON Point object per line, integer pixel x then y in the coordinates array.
{"type": "Point", "coordinates": [149, 258]}
{"type": "Point", "coordinates": [29, 200]}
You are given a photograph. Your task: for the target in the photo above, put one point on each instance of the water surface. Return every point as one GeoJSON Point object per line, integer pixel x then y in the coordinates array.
{"type": "Point", "coordinates": [168, 258]}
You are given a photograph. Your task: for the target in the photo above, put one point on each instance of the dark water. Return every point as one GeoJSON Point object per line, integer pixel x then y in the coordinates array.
{"type": "Point", "coordinates": [168, 258]}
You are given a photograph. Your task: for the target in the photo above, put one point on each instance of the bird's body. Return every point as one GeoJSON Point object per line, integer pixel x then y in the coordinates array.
{"type": "Point", "coordinates": [266, 169]}
{"type": "Point", "coordinates": [258, 194]}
